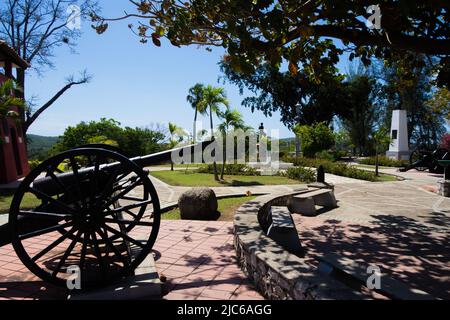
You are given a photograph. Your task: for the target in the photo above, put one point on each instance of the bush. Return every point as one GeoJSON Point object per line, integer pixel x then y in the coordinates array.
{"type": "Point", "coordinates": [325, 155]}
{"type": "Point", "coordinates": [383, 161]}
{"type": "Point", "coordinates": [300, 174]}
{"type": "Point", "coordinates": [230, 169]}
{"type": "Point", "coordinates": [336, 168]}
{"type": "Point", "coordinates": [315, 138]}
{"type": "Point", "coordinates": [33, 164]}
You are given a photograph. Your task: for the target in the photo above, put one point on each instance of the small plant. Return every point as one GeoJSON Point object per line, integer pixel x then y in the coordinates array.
{"type": "Point", "coordinates": [383, 161]}
{"type": "Point", "coordinates": [301, 174]}
{"type": "Point", "coordinates": [231, 169]}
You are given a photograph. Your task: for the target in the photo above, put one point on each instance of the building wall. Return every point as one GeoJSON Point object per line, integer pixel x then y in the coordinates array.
{"type": "Point", "coordinates": [13, 156]}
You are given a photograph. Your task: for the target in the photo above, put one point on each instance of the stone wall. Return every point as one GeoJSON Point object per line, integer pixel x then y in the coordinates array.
{"type": "Point", "coordinates": [276, 273]}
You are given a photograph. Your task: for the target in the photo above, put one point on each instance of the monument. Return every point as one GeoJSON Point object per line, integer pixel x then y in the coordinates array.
{"type": "Point", "coordinates": [399, 148]}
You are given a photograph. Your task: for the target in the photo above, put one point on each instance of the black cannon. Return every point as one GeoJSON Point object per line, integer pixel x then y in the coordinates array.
{"type": "Point", "coordinates": [91, 208]}
{"type": "Point", "coordinates": [422, 160]}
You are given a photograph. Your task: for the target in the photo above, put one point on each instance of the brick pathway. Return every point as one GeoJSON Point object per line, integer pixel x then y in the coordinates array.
{"type": "Point", "coordinates": [197, 258]}
{"type": "Point", "coordinates": [199, 261]}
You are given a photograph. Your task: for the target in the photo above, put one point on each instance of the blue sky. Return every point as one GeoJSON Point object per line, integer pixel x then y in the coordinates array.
{"type": "Point", "coordinates": [138, 85]}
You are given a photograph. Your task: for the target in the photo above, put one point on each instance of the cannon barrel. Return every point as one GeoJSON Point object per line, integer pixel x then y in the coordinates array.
{"type": "Point", "coordinates": [48, 186]}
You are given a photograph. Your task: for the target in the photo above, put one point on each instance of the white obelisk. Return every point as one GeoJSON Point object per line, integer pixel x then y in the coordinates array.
{"type": "Point", "coordinates": [399, 148]}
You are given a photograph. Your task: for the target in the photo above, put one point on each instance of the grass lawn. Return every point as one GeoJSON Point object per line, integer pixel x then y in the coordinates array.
{"type": "Point", "coordinates": [29, 201]}
{"type": "Point", "coordinates": [368, 166]}
{"type": "Point", "coordinates": [386, 178]}
{"type": "Point", "coordinates": [194, 179]}
{"type": "Point", "coordinates": [227, 208]}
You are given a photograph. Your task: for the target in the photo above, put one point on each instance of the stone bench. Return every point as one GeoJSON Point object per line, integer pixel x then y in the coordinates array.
{"type": "Point", "coordinates": [345, 269]}
{"type": "Point", "coordinates": [305, 203]}
{"type": "Point", "coordinates": [283, 230]}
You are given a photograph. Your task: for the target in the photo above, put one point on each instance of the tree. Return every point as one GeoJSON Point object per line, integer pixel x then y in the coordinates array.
{"type": "Point", "coordinates": [300, 98]}
{"type": "Point", "coordinates": [382, 139]}
{"type": "Point", "coordinates": [212, 99]}
{"type": "Point", "coordinates": [408, 84]}
{"type": "Point", "coordinates": [231, 119]}
{"type": "Point", "coordinates": [362, 112]}
{"type": "Point", "coordinates": [194, 97]}
{"type": "Point", "coordinates": [176, 136]}
{"type": "Point", "coordinates": [34, 29]}
{"type": "Point", "coordinates": [132, 141]}
{"type": "Point", "coordinates": [315, 138]}
{"type": "Point", "coordinates": [296, 31]}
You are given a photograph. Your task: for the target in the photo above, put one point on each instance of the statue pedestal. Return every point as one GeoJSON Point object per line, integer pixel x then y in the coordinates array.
{"type": "Point", "coordinates": [444, 188]}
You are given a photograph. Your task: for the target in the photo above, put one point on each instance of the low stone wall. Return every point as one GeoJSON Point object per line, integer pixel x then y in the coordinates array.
{"type": "Point", "coordinates": [276, 273]}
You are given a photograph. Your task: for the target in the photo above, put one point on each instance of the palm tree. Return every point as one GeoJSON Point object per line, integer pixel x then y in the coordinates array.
{"type": "Point", "coordinates": [7, 100]}
{"type": "Point", "coordinates": [231, 119]}
{"type": "Point", "coordinates": [213, 98]}
{"type": "Point", "coordinates": [194, 97]}
{"type": "Point", "coordinates": [175, 132]}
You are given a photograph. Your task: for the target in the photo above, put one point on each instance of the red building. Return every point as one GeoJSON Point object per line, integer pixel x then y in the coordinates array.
{"type": "Point", "coordinates": [13, 155]}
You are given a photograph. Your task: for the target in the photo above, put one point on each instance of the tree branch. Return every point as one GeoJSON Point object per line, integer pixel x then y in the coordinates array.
{"type": "Point", "coordinates": [85, 78]}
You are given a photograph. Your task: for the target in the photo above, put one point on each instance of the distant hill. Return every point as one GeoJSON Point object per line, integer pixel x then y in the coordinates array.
{"type": "Point", "coordinates": [39, 146]}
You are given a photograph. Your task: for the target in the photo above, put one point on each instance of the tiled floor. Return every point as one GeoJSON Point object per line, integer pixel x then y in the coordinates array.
{"type": "Point", "coordinates": [199, 262]}
{"type": "Point", "coordinates": [196, 257]}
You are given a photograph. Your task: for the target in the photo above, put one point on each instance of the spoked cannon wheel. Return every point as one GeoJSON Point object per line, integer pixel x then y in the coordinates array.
{"type": "Point", "coordinates": [88, 208]}
{"type": "Point", "coordinates": [416, 156]}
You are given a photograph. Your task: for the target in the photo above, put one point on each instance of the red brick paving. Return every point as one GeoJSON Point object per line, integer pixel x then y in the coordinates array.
{"type": "Point", "coordinates": [197, 257]}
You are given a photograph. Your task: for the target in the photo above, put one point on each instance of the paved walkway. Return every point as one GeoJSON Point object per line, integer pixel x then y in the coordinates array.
{"type": "Point", "coordinates": [196, 257]}
{"type": "Point", "coordinates": [399, 226]}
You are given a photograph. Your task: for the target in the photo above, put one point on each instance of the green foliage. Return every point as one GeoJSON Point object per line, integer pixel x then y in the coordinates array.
{"type": "Point", "coordinates": [362, 112]}
{"type": "Point", "coordinates": [8, 101]}
{"type": "Point", "coordinates": [230, 169]}
{"type": "Point", "coordinates": [325, 155]}
{"type": "Point", "coordinates": [294, 32]}
{"type": "Point", "coordinates": [33, 163]}
{"type": "Point", "coordinates": [39, 147]}
{"type": "Point", "coordinates": [301, 174]}
{"type": "Point", "coordinates": [336, 168]}
{"type": "Point", "coordinates": [383, 161]}
{"type": "Point", "coordinates": [315, 138]}
{"type": "Point", "coordinates": [133, 141]}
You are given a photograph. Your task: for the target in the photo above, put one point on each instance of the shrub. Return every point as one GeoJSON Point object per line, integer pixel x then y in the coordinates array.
{"type": "Point", "coordinates": [383, 161]}
{"type": "Point", "coordinates": [34, 163]}
{"type": "Point", "coordinates": [300, 174]}
{"type": "Point", "coordinates": [336, 168]}
{"type": "Point", "coordinates": [230, 169]}
{"type": "Point", "coordinates": [315, 138]}
{"type": "Point", "coordinates": [325, 155]}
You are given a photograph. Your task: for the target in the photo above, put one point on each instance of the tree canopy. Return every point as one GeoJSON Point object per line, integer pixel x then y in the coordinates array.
{"type": "Point", "coordinates": [297, 31]}
{"type": "Point", "coordinates": [133, 141]}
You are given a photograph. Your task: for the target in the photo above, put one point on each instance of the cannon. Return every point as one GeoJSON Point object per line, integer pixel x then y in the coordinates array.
{"type": "Point", "coordinates": [422, 160]}
{"type": "Point", "coordinates": [90, 211]}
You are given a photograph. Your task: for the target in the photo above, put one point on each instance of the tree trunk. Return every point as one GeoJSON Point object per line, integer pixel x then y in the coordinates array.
{"type": "Point", "coordinates": [224, 160]}
{"type": "Point", "coordinates": [171, 165]}
{"type": "Point", "coordinates": [21, 94]}
{"type": "Point", "coordinates": [216, 175]}
{"type": "Point", "coordinates": [194, 134]}
{"type": "Point", "coordinates": [376, 160]}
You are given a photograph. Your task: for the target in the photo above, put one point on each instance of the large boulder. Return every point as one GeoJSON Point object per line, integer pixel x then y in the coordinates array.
{"type": "Point", "coordinates": [198, 204]}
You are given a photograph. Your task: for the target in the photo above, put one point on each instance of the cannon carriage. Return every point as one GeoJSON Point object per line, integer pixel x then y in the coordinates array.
{"type": "Point", "coordinates": [98, 215]}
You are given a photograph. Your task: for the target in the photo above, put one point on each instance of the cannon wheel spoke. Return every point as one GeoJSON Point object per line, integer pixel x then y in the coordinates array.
{"type": "Point", "coordinates": [53, 244]}
{"type": "Point", "coordinates": [80, 217]}
{"type": "Point", "coordinates": [66, 255]}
